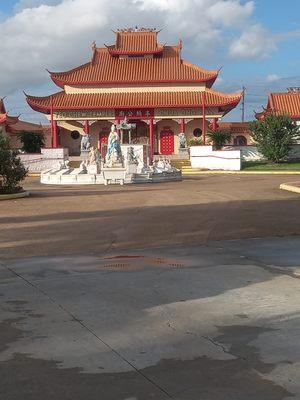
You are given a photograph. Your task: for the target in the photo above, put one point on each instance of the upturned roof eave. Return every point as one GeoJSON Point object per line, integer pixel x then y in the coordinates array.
{"type": "Point", "coordinates": [33, 102]}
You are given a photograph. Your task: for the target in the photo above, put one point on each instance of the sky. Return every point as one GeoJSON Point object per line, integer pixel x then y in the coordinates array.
{"type": "Point", "coordinates": [256, 43]}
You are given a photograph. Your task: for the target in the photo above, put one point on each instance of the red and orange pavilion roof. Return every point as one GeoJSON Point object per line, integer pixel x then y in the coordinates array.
{"type": "Point", "coordinates": [283, 103]}
{"type": "Point", "coordinates": [6, 119]}
{"type": "Point", "coordinates": [135, 60]}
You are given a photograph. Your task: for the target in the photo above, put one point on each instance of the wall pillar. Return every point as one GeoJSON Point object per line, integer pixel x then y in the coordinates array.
{"type": "Point", "coordinates": [203, 119]}
{"type": "Point", "coordinates": [151, 138]}
{"type": "Point", "coordinates": [182, 125]}
{"type": "Point", "coordinates": [86, 127]}
{"type": "Point", "coordinates": [55, 137]}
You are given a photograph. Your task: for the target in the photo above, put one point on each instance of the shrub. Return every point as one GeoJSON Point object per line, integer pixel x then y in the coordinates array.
{"type": "Point", "coordinates": [12, 171]}
{"type": "Point", "coordinates": [195, 142]}
{"type": "Point", "coordinates": [219, 138]}
{"type": "Point", "coordinates": [32, 142]}
{"type": "Point", "coordinates": [275, 135]}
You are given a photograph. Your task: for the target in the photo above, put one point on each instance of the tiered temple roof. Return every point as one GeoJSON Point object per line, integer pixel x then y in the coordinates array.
{"type": "Point", "coordinates": [283, 103]}
{"type": "Point", "coordinates": [135, 60]}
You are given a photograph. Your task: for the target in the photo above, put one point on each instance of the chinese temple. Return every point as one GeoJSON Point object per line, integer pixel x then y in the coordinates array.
{"type": "Point", "coordinates": [139, 79]}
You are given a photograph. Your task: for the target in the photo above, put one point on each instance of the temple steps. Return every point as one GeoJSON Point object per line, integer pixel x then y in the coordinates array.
{"type": "Point", "coordinates": [181, 164]}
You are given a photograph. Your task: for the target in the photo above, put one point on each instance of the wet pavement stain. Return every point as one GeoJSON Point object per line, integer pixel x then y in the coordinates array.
{"type": "Point", "coordinates": [9, 333]}
{"type": "Point", "coordinates": [201, 378]}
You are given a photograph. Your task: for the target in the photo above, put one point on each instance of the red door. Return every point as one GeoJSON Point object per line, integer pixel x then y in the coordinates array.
{"type": "Point", "coordinates": [166, 142]}
{"type": "Point", "coordinates": [103, 139]}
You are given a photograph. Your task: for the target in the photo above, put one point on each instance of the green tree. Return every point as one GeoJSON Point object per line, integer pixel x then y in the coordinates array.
{"type": "Point", "coordinates": [219, 138]}
{"type": "Point", "coordinates": [12, 171]}
{"type": "Point", "coordinates": [274, 135]}
{"type": "Point", "coordinates": [32, 142]}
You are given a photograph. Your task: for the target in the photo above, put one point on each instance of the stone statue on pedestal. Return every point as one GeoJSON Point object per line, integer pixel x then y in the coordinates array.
{"type": "Point", "coordinates": [94, 161]}
{"type": "Point", "coordinates": [182, 140]}
{"type": "Point", "coordinates": [85, 143]}
{"type": "Point", "coordinates": [114, 153]}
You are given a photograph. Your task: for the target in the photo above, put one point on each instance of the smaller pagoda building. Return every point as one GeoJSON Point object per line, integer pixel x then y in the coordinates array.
{"type": "Point", "coordinates": [6, 121]}
{"type": "Point", "coordinates": [11, 126]}
{"type": "Point", "coordinates": [139, 79]}
{"type": "Point", "coordinates": [287, 103]}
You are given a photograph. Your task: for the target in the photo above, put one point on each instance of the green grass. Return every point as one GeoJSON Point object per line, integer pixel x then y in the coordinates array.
{"type": "Point", "coordinates": [267, 166]}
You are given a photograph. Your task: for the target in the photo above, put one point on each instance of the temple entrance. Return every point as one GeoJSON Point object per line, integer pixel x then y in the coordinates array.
{"type": "Point", "coordinates": [166, 141]}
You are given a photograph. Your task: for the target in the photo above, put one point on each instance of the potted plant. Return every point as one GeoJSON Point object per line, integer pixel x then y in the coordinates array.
{"type": "Point", "coordinates": [219, 138]}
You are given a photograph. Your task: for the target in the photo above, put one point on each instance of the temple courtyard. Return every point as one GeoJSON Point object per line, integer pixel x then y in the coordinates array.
{"type": "Point", "coordinates": [183, 290]}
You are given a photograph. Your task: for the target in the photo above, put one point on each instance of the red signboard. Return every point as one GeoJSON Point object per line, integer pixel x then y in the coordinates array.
{"type": "Point", "coordinates": [135, 113]}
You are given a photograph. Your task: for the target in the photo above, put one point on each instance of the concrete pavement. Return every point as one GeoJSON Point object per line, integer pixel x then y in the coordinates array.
{"type": "Point", "coordinates": [216, 321]}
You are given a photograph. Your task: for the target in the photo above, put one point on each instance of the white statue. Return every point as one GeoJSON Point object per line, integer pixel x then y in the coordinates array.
{"type": "Point", "coordinates": [114, 153]}
{"type": "Point", "coordinates": [182, 140]}
{"type": "Point", "coordinates": [85, 143]}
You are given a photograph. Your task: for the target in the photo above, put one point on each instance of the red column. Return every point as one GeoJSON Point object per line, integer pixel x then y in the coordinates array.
{"type": "Point", "coordinates": [55, 138]}
{"type": "Point", "coordinates": [203, 119]}
{"type": "Point", "coordinates": [182, 125]}
{"type": "Point", "coordinates": [215, 125]}
{"type": "Point", "coordinates": [86, 127]}
{"type": "Point", "coordinates": [151, 138]}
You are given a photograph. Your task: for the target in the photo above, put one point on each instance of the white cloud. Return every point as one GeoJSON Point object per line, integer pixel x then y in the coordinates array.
{"type": "Point", "coordinates": [231, 12]}
{"type": "Point", "coordinates": [254, 43]}
{"type": "Point", "coordinates": [273, 78]}
{"type": "Point", "coordinates": [56, 34]}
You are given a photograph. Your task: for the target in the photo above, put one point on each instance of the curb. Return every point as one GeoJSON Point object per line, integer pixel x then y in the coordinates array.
{"type": "Point", "coordinates": [290, 187]}
{"type": "Point", "coordinates": [34, 175]}
{"type": "Point", "coordinates": [241, 172]}
{"type": "Point", "coordinates": [14, 196]}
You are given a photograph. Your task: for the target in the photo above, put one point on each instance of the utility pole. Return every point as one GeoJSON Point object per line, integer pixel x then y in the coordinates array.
{"type": "Point", "coordinates": [243, 104]}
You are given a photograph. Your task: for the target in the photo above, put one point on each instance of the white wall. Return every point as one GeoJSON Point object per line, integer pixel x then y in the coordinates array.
{"type": "Point", "coordinates": [205, 157]}
{"type": "Point", "coordinates": [48, 158]}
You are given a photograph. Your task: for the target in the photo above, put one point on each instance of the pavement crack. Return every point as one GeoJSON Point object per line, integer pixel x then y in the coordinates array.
{"type": "Point", "coordinates": [273, 269]}
{"type": "Point", "coordinates": [88, 329]}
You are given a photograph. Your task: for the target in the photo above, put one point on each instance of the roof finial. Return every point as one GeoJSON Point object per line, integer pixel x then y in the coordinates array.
{"type": "Point", "coordinates": [94, 45]}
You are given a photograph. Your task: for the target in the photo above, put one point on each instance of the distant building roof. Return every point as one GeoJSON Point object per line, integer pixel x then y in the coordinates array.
{"type": "Point", "coordinates": [237, 128]}
{"type": "Point", "coordinates": [283, 103]}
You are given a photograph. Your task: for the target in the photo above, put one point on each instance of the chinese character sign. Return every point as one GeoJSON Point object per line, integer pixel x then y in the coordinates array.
{"type": "Point", "coordinates": [135, 113]}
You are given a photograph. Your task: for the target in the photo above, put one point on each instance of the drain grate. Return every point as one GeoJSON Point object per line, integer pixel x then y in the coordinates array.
{"type": "Point", "coordinates": [116, 266]}
{"type": "Point", "coordinates": [140, 261]}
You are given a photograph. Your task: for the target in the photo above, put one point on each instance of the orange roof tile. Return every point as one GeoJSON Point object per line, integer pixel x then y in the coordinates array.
{"type": "Point", "coordinates": [282, 103]}
{"type": "Point", "coordinates": [63, 101]}
{"type": "Point", "coordinates": [106, 69]}
{"type": "Point", "coordinates": [285, 103]}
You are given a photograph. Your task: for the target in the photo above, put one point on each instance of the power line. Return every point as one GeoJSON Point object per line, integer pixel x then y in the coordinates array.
{"type": "Point", "coordinates": [243, 104]}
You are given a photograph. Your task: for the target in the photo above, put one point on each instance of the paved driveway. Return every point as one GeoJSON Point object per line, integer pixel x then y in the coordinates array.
{"type": "Point", "coordinates": [210, 322]}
